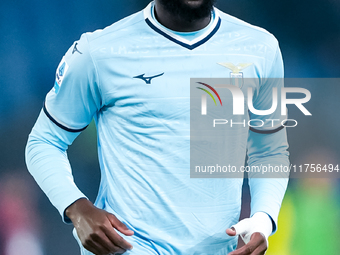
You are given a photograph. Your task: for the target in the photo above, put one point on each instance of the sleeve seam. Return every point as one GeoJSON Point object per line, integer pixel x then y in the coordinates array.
{"type": "Point", "coordinates": [96, 72]}
{"type": "Point", "coordinates": [272, 63]}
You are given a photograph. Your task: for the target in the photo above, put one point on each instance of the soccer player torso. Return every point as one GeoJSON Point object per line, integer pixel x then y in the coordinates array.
{"type": "Point", "coordinates": [138, 83]}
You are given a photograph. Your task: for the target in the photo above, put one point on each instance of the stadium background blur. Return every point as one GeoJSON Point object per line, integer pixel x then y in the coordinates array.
{"type": "Point", "coordinates": [35, 35]}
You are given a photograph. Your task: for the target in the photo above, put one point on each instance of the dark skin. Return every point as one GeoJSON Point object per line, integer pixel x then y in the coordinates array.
{"type": "Point", "coordinates": [178, 23]}
{"type": "Point", "coordinates": [96, 228]}
{"type": "Point", "coordinates": [256, 246]}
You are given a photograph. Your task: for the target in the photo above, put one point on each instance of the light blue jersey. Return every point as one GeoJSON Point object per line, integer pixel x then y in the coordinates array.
{"type": "Point", "coordinates": [133, 78]}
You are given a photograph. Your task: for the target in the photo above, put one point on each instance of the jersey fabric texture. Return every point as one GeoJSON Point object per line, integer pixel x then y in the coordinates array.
{"type": "Point", "coordinates": [133, 78]}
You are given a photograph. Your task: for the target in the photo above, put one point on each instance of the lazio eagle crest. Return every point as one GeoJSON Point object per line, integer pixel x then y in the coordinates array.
{"type": "Point", "coordinates": [236, 74]}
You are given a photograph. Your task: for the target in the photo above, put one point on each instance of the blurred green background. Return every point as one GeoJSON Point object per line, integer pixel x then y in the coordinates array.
{"type": "Point", "coordinates": [36, 34]}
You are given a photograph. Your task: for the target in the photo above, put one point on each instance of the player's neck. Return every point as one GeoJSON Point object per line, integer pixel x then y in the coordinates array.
{"type": "Point", "coordinates": [178, 24]}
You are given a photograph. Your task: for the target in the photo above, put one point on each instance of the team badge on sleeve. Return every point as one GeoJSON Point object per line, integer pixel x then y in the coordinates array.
{"type": "Point", "coordinates": [60, 74]}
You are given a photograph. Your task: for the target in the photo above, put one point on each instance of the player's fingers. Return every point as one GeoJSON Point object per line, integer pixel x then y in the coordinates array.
{"type": "Point", "coordinates": [245, 250]}
{"type": "Point", "coordinates": [116, 239]}
{"type": "Point", "coordinates": [120, 226]}
{"type": "Point", "coordinates": [107, 244]}
{"type": "Point", "coordinates": [257, 241]}
{"type": "Point", "coordinates": [261, 241]}
{"type": "Point", "coordinates": [95, 248]}
{"type": "Point", "coordinates": [258, 238]}
{"type": "Point", "coordinates": [231, 231]}
{"type": "Point", "coordinates": [117, 250]}
{"type": "Point", "coordinates": [261, 250]}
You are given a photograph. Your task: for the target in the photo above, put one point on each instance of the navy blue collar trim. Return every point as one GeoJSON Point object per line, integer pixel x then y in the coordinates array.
{"type": "Point", "coordinates": [188, 46]}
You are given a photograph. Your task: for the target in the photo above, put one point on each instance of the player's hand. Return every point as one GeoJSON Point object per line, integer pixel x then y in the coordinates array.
{"type": "Point", "coordinates": [254, 232]}
{"type": "Point", "coordinates": [96, 228]}
{"type": "Point", "coordinates": [256, 246]}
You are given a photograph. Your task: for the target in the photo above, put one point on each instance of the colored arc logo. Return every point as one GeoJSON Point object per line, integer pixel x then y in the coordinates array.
{"type": "Point", "coordinates": [213, 90]}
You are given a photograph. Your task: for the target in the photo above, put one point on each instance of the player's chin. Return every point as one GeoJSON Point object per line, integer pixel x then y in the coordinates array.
{"type": "Point", "coordinates": [194, 4]}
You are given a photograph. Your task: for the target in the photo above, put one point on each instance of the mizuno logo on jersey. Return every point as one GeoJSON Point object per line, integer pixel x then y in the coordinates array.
{"type": "Point", "coordinates": [75, 49]}
{"type": "Point", "coordinates": [147, 79]}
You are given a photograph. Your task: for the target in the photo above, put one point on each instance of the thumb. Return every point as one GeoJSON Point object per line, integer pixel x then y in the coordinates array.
{"type": "Point", "coordinates": [120, 226]}
{"type": "Point", "coordinates": [242, 229]}
{"type": "Point", "coordinates": [231, 231]}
